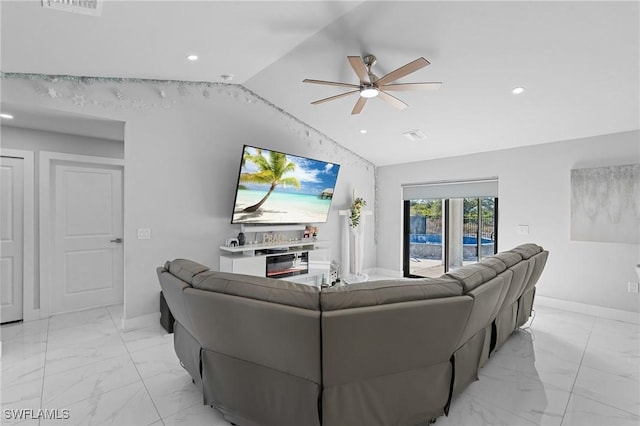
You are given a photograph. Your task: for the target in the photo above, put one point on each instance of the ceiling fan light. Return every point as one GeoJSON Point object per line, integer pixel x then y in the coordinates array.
{"type": "Point", "coordinates": [369, 92]}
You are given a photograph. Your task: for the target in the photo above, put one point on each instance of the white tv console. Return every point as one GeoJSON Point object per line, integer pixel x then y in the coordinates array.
{"type": "Point", "coordinates": [251, 259]}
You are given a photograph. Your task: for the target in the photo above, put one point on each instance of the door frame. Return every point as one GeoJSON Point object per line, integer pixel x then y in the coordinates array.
{"type": "Point", "coordinates": [406, 244]}
{"type": "Point", "coordinates": [29, 311]}
{"type": "Point", "coordinates": [46, 167]}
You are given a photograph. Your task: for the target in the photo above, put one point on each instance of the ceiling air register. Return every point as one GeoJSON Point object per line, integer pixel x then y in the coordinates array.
{"type": "Point", "coordinates": [84, 7]}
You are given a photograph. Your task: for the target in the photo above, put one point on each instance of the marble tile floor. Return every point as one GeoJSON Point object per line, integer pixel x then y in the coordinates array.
{"type": "Point", "coordinates": [566, 369]}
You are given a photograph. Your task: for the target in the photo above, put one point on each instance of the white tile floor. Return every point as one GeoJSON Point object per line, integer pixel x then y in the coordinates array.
{"type": "Point", "coordinates": [567, 369]}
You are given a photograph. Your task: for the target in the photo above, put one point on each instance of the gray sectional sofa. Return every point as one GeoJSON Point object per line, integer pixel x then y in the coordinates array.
{"type": "Point", "coordinates": [394, 352]}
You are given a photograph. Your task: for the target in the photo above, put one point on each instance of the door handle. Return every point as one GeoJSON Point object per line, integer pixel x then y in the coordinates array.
{"type": "Point", "coordinates": [117, 240]}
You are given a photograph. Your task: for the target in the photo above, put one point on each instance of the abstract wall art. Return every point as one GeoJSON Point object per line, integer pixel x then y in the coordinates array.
{"type": "Point", "coordinates": [605, 204]}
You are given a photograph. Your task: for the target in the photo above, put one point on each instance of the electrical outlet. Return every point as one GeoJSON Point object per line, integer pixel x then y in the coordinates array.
{"type": "Point", "coordinates": [523, 229]}
{"type": "Point", "coordinates": [144, 233]}
{"type": "Point", "coordinates": [633, 287]}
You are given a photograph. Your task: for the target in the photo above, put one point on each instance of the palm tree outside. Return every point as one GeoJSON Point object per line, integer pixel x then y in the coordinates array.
{"type": "Point", "coordinates": [271, 171]}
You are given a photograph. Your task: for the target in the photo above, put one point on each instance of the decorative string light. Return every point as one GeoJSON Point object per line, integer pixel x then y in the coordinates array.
{"type": "Point", "coordinates": [76, 93]}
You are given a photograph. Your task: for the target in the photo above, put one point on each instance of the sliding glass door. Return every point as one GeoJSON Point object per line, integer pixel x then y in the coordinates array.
{"type": "Point", "coordinates": [446, 233]}
{"type": "Point", "coordinates": [424, 235]}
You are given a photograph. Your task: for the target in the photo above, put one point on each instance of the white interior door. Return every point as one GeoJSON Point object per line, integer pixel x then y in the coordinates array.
{"type": "Point", "coordinates": [87, 247]}
{"type": "Point", "coordinates": [11, 237]}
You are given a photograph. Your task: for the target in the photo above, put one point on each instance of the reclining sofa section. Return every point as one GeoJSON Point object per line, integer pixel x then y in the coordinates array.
{"type": "Point", "coordinates": [270, 352]}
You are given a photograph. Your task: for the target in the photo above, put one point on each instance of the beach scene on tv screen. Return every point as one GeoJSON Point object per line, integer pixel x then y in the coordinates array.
{"type": "Point", "coordinates": [275, 187]}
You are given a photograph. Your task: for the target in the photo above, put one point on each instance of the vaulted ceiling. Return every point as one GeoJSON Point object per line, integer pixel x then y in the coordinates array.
{"type": "Point", "coordinates": [579, 63]}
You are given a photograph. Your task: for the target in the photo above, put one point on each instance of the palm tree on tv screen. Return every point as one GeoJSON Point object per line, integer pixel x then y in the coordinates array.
{"type": "Point", "coordinates": [270, 172]}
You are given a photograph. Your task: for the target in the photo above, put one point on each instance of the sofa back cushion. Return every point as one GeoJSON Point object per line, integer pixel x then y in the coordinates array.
{"type": "Point", "coordinates": [184, 269]}
{"type": "Point", "coordinates": [487, 299]}
{"type": "Point", "coordinates": [509, 258]}
{"type": "Point", "coordinates": [516, 288]}
{"type": "Point", "coordinates": [259, 288]}
{"type": "Point", "coordinates": [375, 341]}
{"type": "Point", "coordinates": [471, 276]}
{"type": "Point", "coordinates": [387, 291]}
{"type": "Point", "coordinates": [527, 250]}
{"type": "Point", "coordinates": [274, 335]}
{"type": "Point", "coordinates": [173, 290]}
{"type": "Point", "coordinates": [536, 265]}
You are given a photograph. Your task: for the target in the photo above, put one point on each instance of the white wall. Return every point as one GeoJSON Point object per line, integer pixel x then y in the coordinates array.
{"type": "Point", "coordinates": [534, 190]}
{"type": "Point", "coordinates": [183, 143]}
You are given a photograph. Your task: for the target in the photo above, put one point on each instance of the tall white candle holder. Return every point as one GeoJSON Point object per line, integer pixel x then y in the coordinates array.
{"type": "Point", "coordinates": [351, 272]}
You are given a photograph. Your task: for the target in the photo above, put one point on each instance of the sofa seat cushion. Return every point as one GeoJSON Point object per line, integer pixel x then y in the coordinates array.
{"type": "Point", "coordinates": [471, 276]}
{"type": "Point", "coordinates": [387, 291]}
{"type": "Point", "coordinates": [184, 269]}
{"type": "Point", "coordinates": [259, 288]}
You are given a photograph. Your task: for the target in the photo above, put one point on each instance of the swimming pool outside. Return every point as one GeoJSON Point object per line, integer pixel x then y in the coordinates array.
{"type": "Point", "coordinates": [429, 246]}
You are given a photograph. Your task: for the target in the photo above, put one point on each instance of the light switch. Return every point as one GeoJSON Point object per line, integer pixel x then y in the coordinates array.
{"type": "Point", "coordinates": [144, 233]}
{"type": "Point", "coordinates": [523, 229]}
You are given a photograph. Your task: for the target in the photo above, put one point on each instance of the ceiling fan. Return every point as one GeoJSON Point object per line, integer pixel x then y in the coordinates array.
{"type": "Point", "coordinates": [371, 86]}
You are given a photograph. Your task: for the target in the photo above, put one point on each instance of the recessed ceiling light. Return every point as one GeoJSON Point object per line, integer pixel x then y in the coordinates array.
{"type": "Point", "coordinates": [363, 131]}
{"type": "Point", "coordinates": [517, 90]}
{"type": "Point", "coordinates": [192, 57]}
{"type": "Point", "coordinates": [7, 116]}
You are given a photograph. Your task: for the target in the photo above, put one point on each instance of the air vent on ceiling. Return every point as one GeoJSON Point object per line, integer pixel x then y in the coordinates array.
{"type": "Point", "coordinates": [85, 7]}
{"type": "Point", "coordinates": [415, 135]}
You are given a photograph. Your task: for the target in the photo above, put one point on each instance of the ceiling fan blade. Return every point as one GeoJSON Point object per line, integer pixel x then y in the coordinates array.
{"type": "Point", "coordinates": [360, 68]}
{"type": "Point", "coordinates": [403, 71]}
{"type": "Point", "coordinates": [359, 105]}
{"type": "Point", "coordinates": [412, 86]}
{"type": "Point", "coordinates": [319, 101]}
{"type": "Point", "coordinates": [330, 83]}
{"type": "Point", "coordinates": [392, 100]}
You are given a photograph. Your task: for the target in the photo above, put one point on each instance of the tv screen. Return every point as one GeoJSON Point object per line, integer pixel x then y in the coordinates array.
{"type": "Point", "coordinates": [278, 188]}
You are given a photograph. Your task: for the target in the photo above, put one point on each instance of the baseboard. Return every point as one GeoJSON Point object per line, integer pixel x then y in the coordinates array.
{"type": "Point", "coordinates": [583, 308]}
{"type": "Point", "coordinates": [142, 321]}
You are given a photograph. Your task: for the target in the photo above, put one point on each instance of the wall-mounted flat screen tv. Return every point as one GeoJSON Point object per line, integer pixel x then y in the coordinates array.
{"type": "Point", "coordinates": [278, 188]}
